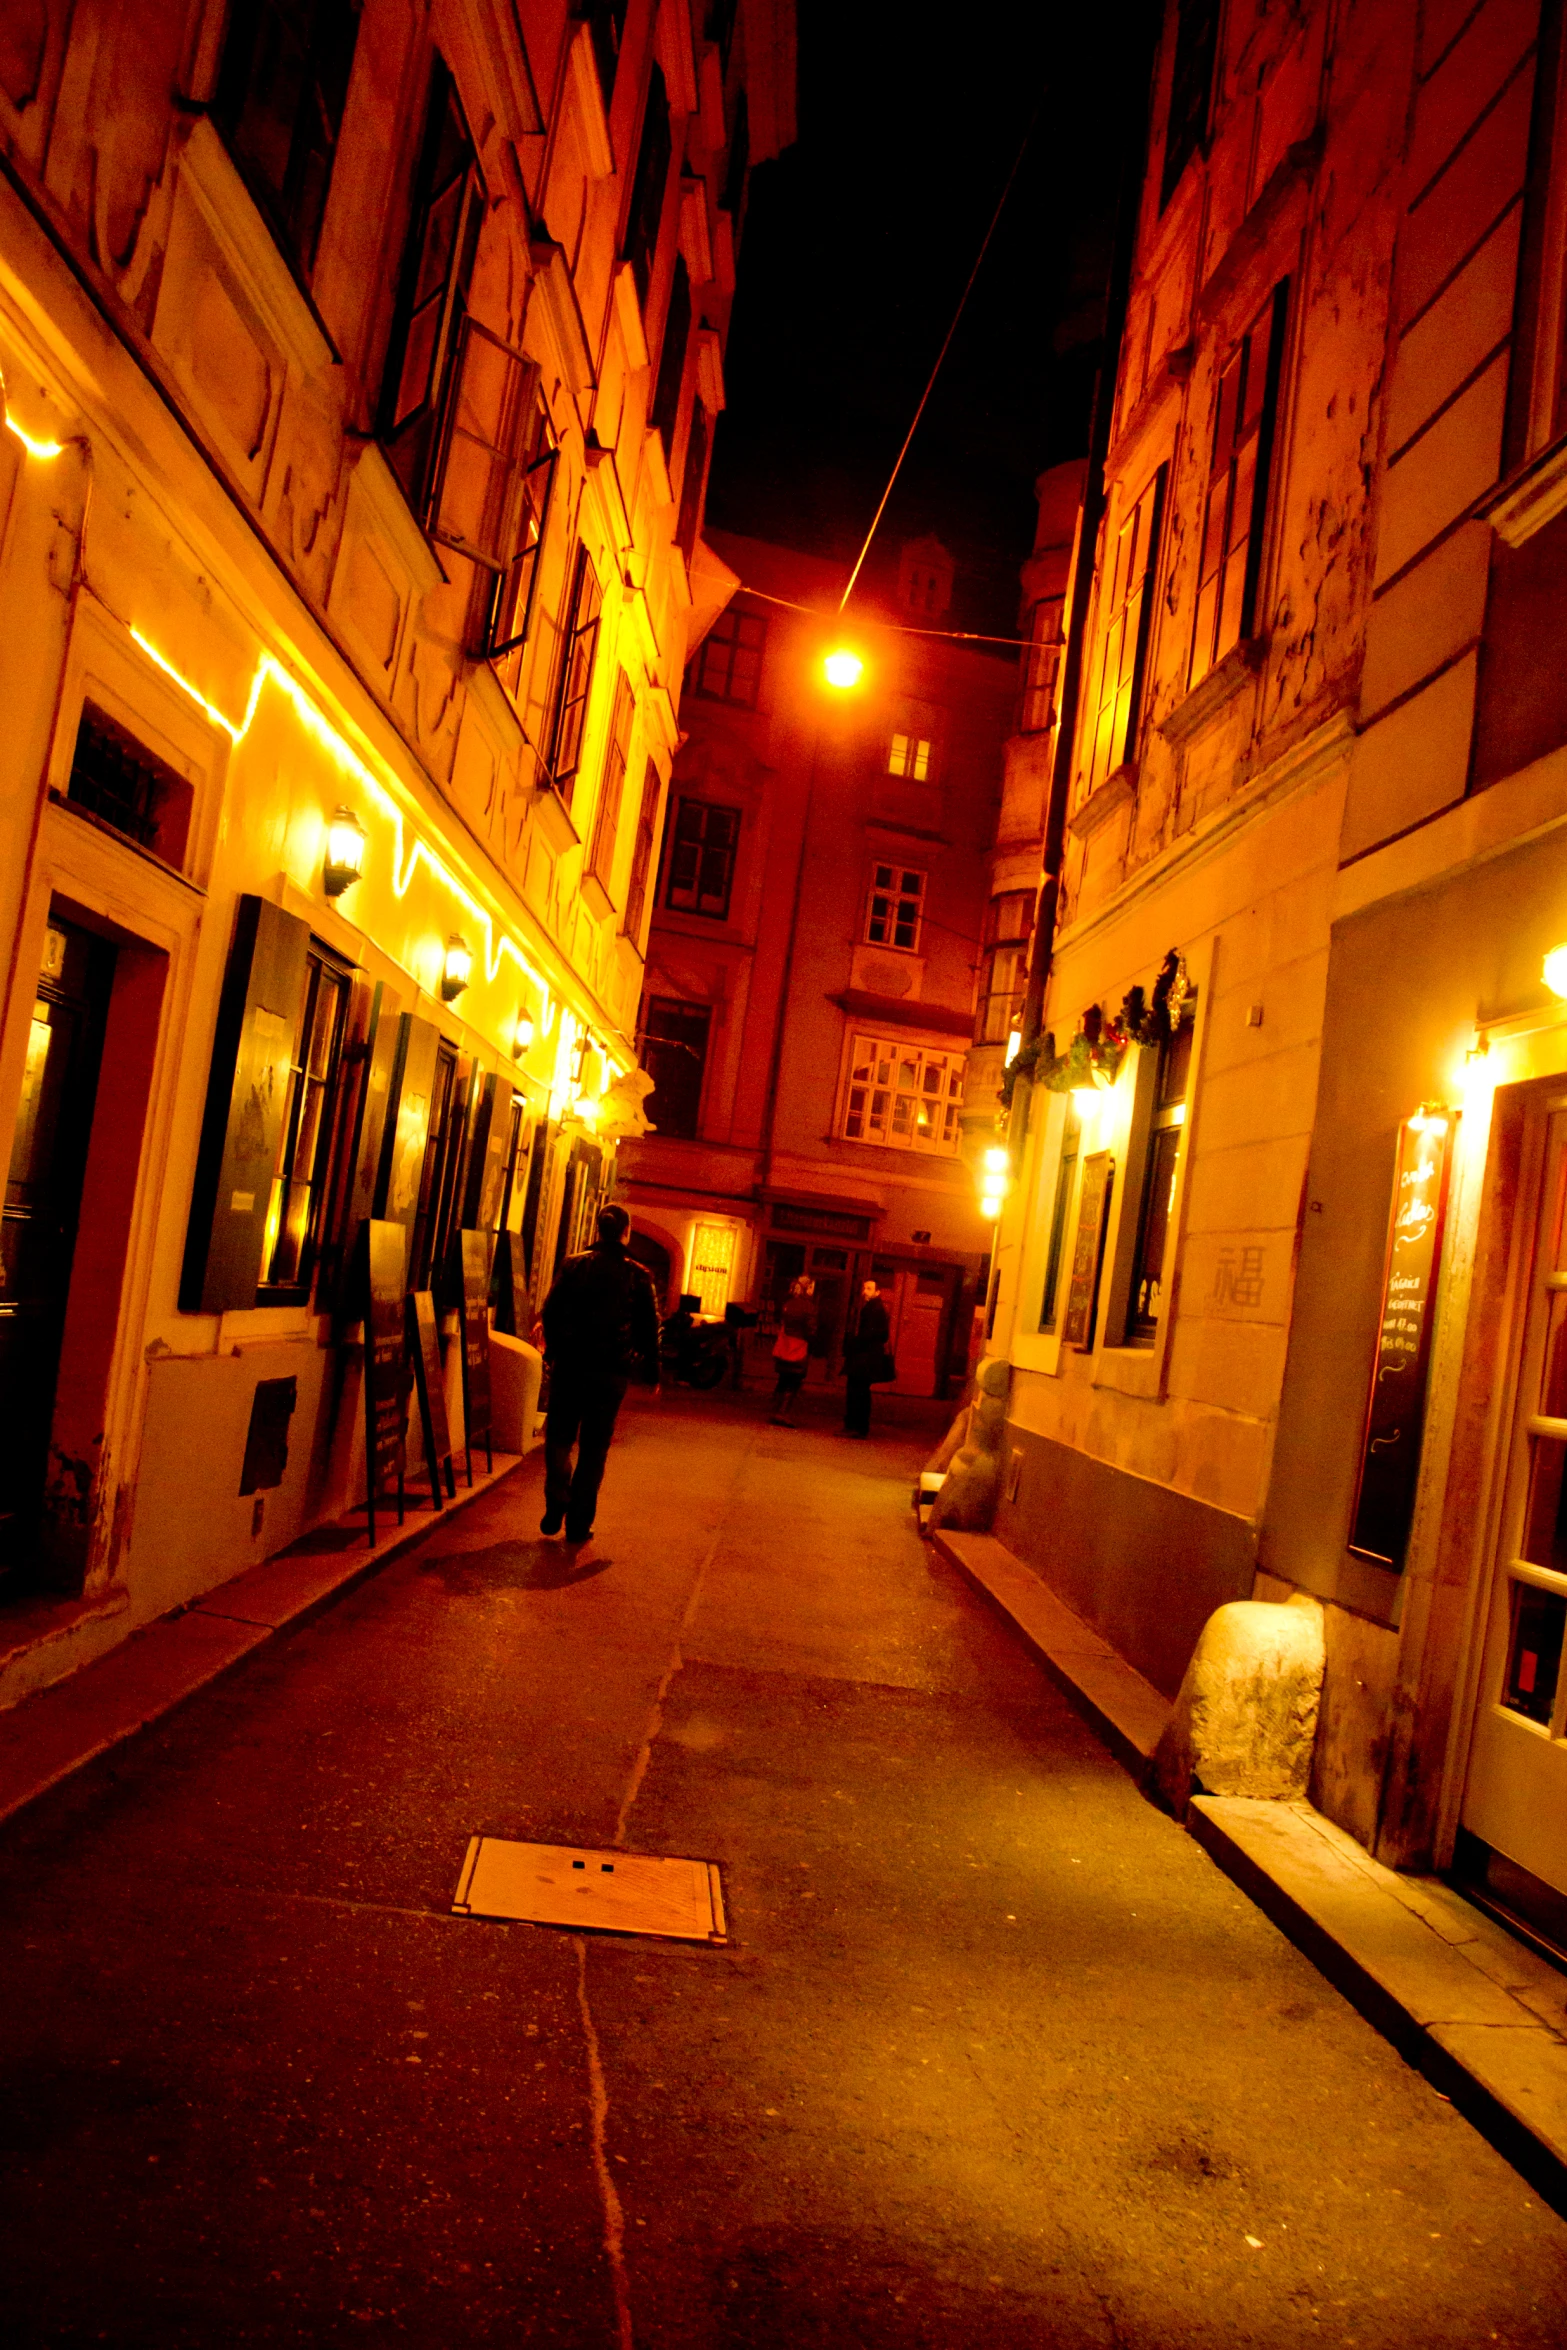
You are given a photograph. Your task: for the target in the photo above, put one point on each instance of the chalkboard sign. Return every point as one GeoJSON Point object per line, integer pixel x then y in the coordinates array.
{"type": "Point", "coordinates": [476, 1345]}
{"type": "Point", "coordinates": [425, 1346]}
{"type": "Point", "coordinates": [1093, 1209]}
{"type": "Point", "coordinates": [1395, 1418]}
{"type": "Point", "coordinates": [381, 1264]}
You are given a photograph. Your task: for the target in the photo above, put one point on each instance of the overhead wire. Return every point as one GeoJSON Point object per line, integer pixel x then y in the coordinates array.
{"type": "Point", "coordinates": [946, 344]}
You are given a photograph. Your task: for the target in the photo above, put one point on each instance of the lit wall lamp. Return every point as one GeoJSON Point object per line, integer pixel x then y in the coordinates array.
{"type": "Point", "coordinates": [1554, 971]}
{"type": "Point", "coordinates": [522, 1033]}
{"type": "Point", "coordinates": [456, 968]}
{"type": "Point", "coordinates": [1014, 1045]}
{"type": "Point", "coordinates": [345, 853]}
{"type": "Point", "coordinates": [993, 1182]}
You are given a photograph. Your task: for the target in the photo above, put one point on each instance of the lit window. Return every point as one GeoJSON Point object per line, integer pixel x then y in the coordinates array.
{"type": "Point", "coordinates": [1121, 645]}
{"type": "Point", "coordinates": [896, 902]}
{"type": "Point", "coordinates": [294, 1214]}
{"type": "Point", "coordinates": [903, 1096]}
{"type": "Point", "coordinates": [712, 1265]}
{"type": "Point", "coordinates": [910, 756]}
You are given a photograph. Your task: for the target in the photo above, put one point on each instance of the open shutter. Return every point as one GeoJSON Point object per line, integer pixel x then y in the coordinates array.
{"type": "Point", "coordinates": [487, 1167]}
{"type": "Point", "coordinates": [407, 1122]}
{"type": "Point", "coordinates": [247, 1100]}
{"type": "Point", "coordinates": [477, 501]}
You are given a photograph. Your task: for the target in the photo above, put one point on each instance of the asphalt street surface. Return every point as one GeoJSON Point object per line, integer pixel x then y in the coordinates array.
{"type": "Point", "coordinates": [995, 2055]}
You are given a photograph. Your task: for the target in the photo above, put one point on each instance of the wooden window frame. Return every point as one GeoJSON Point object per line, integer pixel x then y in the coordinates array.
{"type": "Point", "coordinates": [322, 968]}
{"type": "Point", "coordinates": [654, 1006]}
{"type": "Point", "coordinates": [728, 849]}
{"type": "Point", "coordinates": [649, 183]}
{"type": "Point", "coordinates": [617, 758]}
{"type": "Point", "coordinates": [642, 855]}
{"type": "Point", "coordinates": [884, 904]}
{"type": "Point", "coordinates": [414, 434]}
{"type": "Point", "coordinates": [858, 1095]}
{"type": "Point", "coordinates": [574, 674]}
{"type": "Point", "coordinates": [727, 666]}
{"type": "Point", "coordinates": [1112, 708]}
{"type": "Point", "coordinates": [1237, 504]}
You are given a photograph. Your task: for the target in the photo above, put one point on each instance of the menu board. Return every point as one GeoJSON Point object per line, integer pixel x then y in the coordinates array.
{"type": "Point", "coordinates": [381, 1261]}
{"type": "Point", "coordinates": [425, 1346]}
{"type": "Point", "coordinates": [1395, 1417]}
{"type": "Point", "coordinates": [476, 1344]}
{"type": "Point", "coordinates": [1093, 1209]}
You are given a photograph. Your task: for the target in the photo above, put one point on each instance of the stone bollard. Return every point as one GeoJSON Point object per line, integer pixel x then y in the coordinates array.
{"type": "Point", "coordinates": [1245, 1722]}
{"type": "Point", "coordinates": [967, 1501]}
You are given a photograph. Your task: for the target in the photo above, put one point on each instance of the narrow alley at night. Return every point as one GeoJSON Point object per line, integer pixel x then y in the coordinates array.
{"type": "Point", "coordinates": [994, 2053]}
{"type": "Point", "coordinates": [783, 1276]}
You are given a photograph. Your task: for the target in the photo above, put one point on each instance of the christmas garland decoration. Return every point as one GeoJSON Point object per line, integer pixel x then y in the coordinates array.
{"type": "Point", "coordinates": [1096, 1052]}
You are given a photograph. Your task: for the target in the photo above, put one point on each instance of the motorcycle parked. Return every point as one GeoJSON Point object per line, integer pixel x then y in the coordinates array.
{"type": "Point", "coordinates": [694, 1352]}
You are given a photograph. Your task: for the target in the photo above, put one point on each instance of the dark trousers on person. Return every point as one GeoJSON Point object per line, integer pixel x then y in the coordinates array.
{"type": "Point", "coordinates": [857, 1404]}
{"type": "Point", "coordinates": [582, 1410]}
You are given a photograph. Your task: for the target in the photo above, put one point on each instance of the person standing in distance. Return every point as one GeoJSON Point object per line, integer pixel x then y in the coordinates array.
{"type": "Point", "coordinates": [864, 1360]}
{"type": "Point", "coordinates": [600, 1325]}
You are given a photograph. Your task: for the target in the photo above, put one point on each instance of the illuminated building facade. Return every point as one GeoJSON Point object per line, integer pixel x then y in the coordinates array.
{"type": "Point", "coordinates": [1314, 858]}
{"type": "Point", "coordinates": [359, 369]}
{"type": "Point", "coordinates": [809, 1002]}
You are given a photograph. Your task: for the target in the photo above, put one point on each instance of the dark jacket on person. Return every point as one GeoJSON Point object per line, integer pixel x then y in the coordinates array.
{"type": "Point", "coordinates": [869, 1343]}
{"type": "Point", "coordinates": [601, 1316]}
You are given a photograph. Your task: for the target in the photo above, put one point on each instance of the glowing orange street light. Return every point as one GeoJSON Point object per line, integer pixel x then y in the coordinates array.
{"type": "Point", "coordinates": [843, 668]}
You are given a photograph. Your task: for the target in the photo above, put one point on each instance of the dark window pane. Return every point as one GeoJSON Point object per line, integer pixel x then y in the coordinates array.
{"type": "Point", "coordinates": [438, 260]}
{"type": "Point", "coordinates": [674, 1054]}
{"type": "Point", "coordinates": [649, 182]}
{"type": "Point", "coordinates": [672, 358]}
{"type": "Point", "coordinates": [124, 786]}
{"type": "Point", "coordinates": [1158, 1196]}
{"type": "Point", "coordinates": [1196, 43]}
{"type": "Point", "coordinates": [279, 104]}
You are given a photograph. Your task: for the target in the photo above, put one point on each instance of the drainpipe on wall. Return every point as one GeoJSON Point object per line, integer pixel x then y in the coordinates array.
{"type": "Point", "coordinates": [1145, 32]}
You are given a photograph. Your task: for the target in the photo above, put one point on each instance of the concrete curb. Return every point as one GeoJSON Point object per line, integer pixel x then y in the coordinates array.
{"type": "Point", "coordinates": [54, 1731]}
{"type": "Point", "coordinates": [1472, 2008]}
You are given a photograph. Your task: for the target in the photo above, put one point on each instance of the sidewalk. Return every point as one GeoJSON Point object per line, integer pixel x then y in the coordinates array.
{"type": "Point", "coordinates": [59, 1728]}
{"type": "Point", "coordinates": [1473, 2007]}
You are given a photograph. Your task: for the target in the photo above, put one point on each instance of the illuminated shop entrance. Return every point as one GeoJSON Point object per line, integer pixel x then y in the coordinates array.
{"type": "Point", "coordinates": [1515, 1798]}
{"type": "Point", "coordinates": [38, 1234]}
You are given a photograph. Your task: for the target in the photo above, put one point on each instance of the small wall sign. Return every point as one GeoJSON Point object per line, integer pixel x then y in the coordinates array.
{"type": "Point", "coordinates": [1395, 1416]}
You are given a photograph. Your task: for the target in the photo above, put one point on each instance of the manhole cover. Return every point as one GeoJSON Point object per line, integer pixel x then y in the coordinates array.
{"type": "Point", "coordinates": [616, 1892]}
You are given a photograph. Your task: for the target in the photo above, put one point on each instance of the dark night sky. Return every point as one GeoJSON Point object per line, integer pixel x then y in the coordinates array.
{"type": "Point", "coordinates": [856, 246]}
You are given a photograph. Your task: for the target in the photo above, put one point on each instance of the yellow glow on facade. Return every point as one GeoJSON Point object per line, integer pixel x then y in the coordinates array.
{"type": "Point", "coordinates": [843, 668]}
{"type": "Point", "coordinates": [408, 852]}
{"type": "Point", "coordinates": [34, 448]}
{"type": "Point", "coordinates": [1554, 971]}
{"type": "Point", "coordinates": [1014, 1046]}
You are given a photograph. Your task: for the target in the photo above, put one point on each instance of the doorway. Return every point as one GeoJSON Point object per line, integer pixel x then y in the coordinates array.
{"type": "Point", "coordinates": [38, 1236]}
{"type": "Point", "coordinates": [1514, 1814]}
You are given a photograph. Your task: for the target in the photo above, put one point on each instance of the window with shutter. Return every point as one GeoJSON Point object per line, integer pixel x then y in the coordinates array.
{"type": "Point", "coordinates": [574, 676]}
{"type": "Point", "coordinates": [702, 854]}
{"type": "Point", "coordinates": [249, 1092]}
{"type": "Point", "coordinates": [1121, 647]}
{"type": "Point", "coordinates": [1235, 516]}
{"type": "Point", "coordinates": [407, 1123]}
{"type": "Point", "coordinates": [642, 855]}
{"type": "Point", "coordinates": [443, 242]}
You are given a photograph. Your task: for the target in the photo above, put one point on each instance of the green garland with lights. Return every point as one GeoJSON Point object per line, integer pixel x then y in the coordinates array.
{"type": "Point", "coordinates": [1096, 1052]}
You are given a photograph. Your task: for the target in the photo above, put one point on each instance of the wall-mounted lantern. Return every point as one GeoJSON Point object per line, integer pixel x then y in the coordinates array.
{"type": "Point", "coordinates": [456, 968]}
{"type": "Point", "coordinates": [522, 1033]}
{"type": "Point", "coordinates": [1554, 971]}
{"type": "Point", "coordinates": [995, 1174]}
{"type": "Point", "coordinates": [345, 853]}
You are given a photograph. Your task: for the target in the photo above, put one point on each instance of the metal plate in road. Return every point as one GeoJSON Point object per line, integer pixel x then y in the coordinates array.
{"type": "Point", "coordinates": [609, 1892]}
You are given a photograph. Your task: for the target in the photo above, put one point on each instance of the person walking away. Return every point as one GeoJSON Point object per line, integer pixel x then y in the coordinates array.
{"type": "Point", "coordinates": [600, 1325]}
{"type": "Point", "coordinates": [792, 1349]}
{"type": "Point", "coordinates": [865, 1360]}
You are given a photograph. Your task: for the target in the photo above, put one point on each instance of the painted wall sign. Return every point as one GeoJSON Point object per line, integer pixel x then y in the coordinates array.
{"type": "Point", "coordinates": [382, 1270]}
{"type": "Point", "coordinates": [476, 1345]}
{"type": "Point", "coordinates": [1395, 1417]}
{"type": "Point", "coordinates": [1093, 1210]}
{"type": "Point", "coordinates": [425, 1346]}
